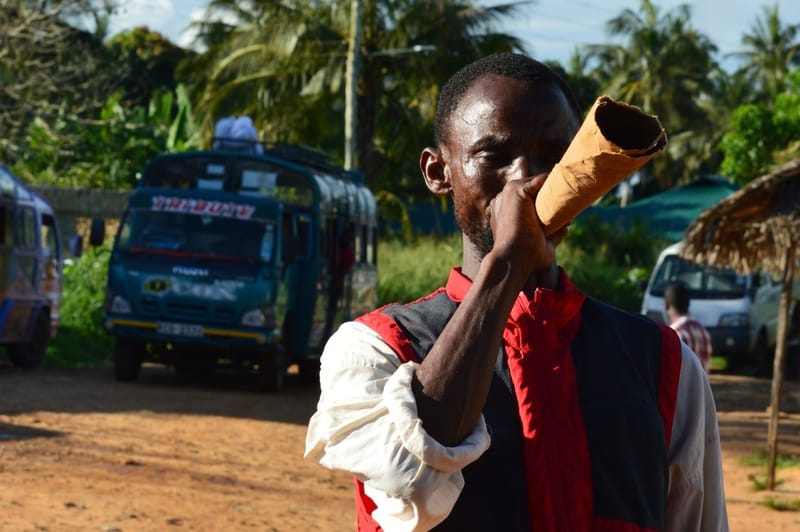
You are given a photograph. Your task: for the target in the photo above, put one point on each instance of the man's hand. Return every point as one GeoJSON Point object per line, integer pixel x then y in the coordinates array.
{"type": "Point", "coordinates": [518, 234]}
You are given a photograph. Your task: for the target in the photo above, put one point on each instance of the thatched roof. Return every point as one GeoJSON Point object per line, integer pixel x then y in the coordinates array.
{"type": "Point", "coordinates": [753, 227]}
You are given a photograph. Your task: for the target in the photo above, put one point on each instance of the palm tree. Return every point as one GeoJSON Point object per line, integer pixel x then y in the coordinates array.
{"type": "Point", "coordinates": [283, 63]}
{"type": "Point", "coordinates": [665, 66]}
{"type": "Point", "coordinates": [771, 50]}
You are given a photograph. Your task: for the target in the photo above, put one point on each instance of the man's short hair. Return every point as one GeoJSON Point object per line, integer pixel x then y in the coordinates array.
{"type": "Point", "coordinates": [677, 296]}
{"type": "Point", "coordinates": [510, 65]}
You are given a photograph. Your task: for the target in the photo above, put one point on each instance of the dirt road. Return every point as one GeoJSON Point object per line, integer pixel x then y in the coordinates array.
{"type": "Point", "coordinates": [79, 451]}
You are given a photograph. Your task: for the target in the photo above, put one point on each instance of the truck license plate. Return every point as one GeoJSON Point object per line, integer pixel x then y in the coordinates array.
{"type": "Point", "coordinates": [179, 329]}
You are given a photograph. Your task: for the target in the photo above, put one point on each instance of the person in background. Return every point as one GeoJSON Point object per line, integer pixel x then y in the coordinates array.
{"type": "Point", "coordinates": [507, 399]}
{"type": "Point", "coordinates": [691, 331]}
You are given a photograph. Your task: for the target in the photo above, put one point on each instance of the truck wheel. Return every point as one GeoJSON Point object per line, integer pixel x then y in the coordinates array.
{"type": "Point", "coordinates": [29, 355]}
{"type": "Point", "coordinates": [272, 370]}
{"type": "Point", "coordinates": [127, 359]}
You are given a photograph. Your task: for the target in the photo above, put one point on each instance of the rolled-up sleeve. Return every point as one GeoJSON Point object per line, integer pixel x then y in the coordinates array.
{"type": "Point", "coordinates": [366, 423]}
{"type": "Point", "coordinates": [696, 498]}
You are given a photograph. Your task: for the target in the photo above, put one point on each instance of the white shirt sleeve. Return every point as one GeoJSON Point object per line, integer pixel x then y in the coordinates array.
{"type": "Point", "coordinates": [696, 497]}
{"type": "Point", "coordinates": [366, 423]}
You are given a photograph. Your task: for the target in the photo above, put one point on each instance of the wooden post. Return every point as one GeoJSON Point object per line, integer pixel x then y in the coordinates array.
{"type": "Point", "coordinates": [352, 73]}
{"type": "Point", "coordinates": [779, 365]}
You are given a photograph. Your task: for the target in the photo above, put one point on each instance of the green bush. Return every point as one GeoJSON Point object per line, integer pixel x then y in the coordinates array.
{"type": "Point", "coordinates": [407, 271]}
{"type": "Point", "coordinates": [81, 340]}
{"type": "Point", "coordinates": [609, 263]}
{"type": "Point", "coordinates": [603, 261]}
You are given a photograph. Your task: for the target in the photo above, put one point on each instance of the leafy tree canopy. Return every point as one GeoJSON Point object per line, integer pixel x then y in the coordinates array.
{"type": "Point", "coordinates": [49, 68]}
{"type": "Point", "coordinates": [283, 64]}
{"type": "Point", "coordinates": [761, 135]}
{"type": "Point", "coordinates": [148, 60]}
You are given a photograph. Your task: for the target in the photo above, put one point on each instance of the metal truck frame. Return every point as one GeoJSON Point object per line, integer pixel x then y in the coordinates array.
{"type": "Point", "coordinates": [245, 258]}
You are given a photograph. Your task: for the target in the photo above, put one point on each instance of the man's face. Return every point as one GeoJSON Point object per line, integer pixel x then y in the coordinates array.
{"type": "Point", "coordinates": [503, 129]}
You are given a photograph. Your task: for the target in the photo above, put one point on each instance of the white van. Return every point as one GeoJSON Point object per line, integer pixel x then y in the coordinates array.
{"type": "Point", "coordinates": [739, 311]}
{"type": "Point", "coordinates": [764, 309]}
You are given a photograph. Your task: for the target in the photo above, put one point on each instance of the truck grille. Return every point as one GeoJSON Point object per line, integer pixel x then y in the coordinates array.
{"type": "Point", "coordinates": [167, 309]}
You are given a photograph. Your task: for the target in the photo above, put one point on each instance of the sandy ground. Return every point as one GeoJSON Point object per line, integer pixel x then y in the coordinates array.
{"type": "Point", "coordinates": [79, 451]}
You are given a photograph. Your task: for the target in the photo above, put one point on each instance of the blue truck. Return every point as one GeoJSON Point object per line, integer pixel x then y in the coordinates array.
{"type": "Point", "coordinates": [30, 272]}
{"type": "Point", "coordinates": [242, 258]}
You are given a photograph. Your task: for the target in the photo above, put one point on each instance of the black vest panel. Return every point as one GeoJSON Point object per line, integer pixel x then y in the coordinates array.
{"type": "Point", "coordinates": [619, 399]}
{"type": "Point", "coordinates": [497, 479]}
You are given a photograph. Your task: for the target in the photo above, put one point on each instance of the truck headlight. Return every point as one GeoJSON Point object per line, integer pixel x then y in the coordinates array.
{"type": "Point", "coordinates": [738, 319]}
{"type": "Point", "coordinates": [259, 317]}
{"type": "Point", "coordinates": [120, 305]}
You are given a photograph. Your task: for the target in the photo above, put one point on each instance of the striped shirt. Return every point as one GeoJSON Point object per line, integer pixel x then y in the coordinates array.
{"type": "Point", "coordinates": [696, 336]}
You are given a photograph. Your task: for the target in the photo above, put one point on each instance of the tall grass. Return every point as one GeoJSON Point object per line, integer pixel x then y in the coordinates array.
{"type": "Point", "coordinates": [604, 262]}
{"type": "Point", "coordinates": [407, 271]}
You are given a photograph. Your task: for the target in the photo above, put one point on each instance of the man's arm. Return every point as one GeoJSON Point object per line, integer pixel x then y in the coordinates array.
{"type": "Point", "coordinates": [453, 381]}
{"type": "Point", "coordinates": [696, 498]}
{"type": "Point", "coordinates": [366, 423]}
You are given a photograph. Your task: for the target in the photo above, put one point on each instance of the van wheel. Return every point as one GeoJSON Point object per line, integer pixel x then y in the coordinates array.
{"type": "Point", "coordinates": [29, 355]}
{"type": "Point", "coordinates": [128, 357]}
{"type": "Point", "coordinates": [272, 370]}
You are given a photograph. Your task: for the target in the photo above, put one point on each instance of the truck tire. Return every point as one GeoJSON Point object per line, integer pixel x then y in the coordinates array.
{"type": "Point", "coordinates": [271, 372]}
{"type": "Point", "coordinates": [128, 357]}
{"type": "Point", "coordinates": [29, 355]}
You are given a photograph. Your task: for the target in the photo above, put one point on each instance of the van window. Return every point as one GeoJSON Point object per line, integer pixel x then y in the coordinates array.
{"type": "Point", "coordinates": [7, 185]}
{"type": "Point", "coordinates": [703, 282]}
{"type": "Point", "coordinates": [48, 236]}
{"type": "Point", "coordinates": [26, 227]}
{"type": "Point", "coordinates": [50, 253]}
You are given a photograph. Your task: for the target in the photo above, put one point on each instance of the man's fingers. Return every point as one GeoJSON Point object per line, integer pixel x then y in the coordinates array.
{"type": "Point", "coordinates": [559, 235]}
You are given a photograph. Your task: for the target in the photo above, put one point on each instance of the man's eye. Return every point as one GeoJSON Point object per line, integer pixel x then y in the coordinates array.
{"type": "Point", "coordinates": [494, 157]}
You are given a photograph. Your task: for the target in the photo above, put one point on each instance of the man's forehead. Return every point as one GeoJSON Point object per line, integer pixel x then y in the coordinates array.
{"type": "Point", "coordinates": [492, 96]}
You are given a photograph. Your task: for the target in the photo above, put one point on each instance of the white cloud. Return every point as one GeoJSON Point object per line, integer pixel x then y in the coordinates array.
{"type": "Point", "coordinates": [155, 14]}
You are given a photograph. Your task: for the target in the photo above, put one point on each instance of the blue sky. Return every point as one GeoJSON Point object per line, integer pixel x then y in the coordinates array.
{"type": "Point", "coordinates": [551, 29]}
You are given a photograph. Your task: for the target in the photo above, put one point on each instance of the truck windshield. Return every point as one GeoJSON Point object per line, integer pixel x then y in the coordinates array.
{"type": "Point", "coordinates": [202, 236]}
{"type": "Point", "coordinates": [704, 282]}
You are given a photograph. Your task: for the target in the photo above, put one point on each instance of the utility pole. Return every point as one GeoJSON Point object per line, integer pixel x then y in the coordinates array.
{"type": "Point", "coordinates": [351, 85]}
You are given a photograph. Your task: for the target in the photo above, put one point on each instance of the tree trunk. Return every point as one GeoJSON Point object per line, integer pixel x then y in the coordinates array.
{"type": "Point", "coordinates": [779, 365]}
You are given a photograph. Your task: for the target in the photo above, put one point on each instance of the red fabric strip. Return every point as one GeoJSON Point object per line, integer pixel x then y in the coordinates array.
{"type": "Point", "coordinates": [557, 467]}
{"type": "Point", "coordinates": [364, 508]}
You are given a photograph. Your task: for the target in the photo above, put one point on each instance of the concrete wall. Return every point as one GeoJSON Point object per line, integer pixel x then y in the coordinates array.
{"type": "Point", "coordinates": [74, 206]}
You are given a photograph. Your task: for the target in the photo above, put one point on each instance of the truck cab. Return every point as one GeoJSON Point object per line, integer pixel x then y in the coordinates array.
{"type": "Point", "coordinates": [233, 258]}
{"type": "Point", "coordinates": [30, 272]}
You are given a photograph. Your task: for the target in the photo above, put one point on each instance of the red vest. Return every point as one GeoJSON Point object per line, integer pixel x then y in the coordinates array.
{"type": "Point", "coordinates": [580, 412]}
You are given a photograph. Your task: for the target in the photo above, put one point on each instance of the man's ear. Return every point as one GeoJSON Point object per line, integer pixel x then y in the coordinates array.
{"type": "Point", "coordinates": [435, 171]}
